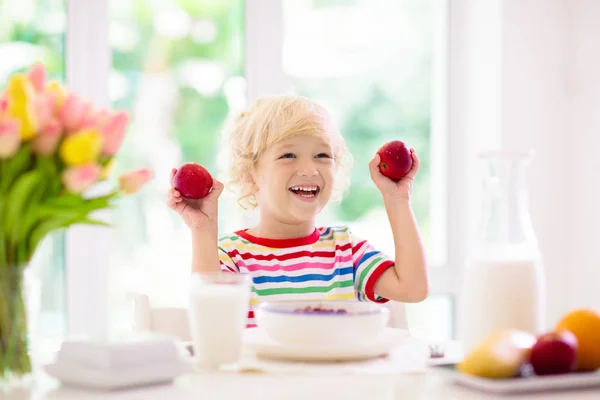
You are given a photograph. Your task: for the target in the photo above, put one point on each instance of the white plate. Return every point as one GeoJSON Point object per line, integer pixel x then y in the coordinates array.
{"type": "Point", "coordinates": [529, 384]}
{"type": "Point", "coordinates": [257, 341]}
{"type": "Point", "coordinates": [116, 378]}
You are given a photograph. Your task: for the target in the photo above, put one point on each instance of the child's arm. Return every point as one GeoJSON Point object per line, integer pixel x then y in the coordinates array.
{"type": "Point", "coordinates": [201, 216]}
{"type": "Point", "coordinates": [407, 281]}
{"type": "Point", "coordinates": [205, 257]}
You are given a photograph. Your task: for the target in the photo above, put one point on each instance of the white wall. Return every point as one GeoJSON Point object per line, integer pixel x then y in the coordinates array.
{"type": "Point", "coordinates": [581, 142]}
{"type": "Point", "coordinates": [549, 100]}
{"type": "Point", "coordinates": [536, 113]}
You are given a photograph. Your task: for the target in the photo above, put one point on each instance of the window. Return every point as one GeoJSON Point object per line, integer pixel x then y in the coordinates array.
{"type": "Point", "coordinates": [182, 67]}
{"type": "Point", "coordinates": [433, 318]}
{"type": "Point", "coordinates": [371, 63]}
{"type": "Point", "coordinates": [33, 31]}
{"type": "Point", "coordinates": [178, 68]}
{"type": "Point", "coordinates": [378, 65]}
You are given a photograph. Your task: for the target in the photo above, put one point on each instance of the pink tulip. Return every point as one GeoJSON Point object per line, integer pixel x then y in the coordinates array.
{"type": "Point", "coordinates": [131, 182]}
{"type": "Point", "coordinates": [3, 104]}
{"type": "Point", "coordinates": [102, 116]}
{"type": "Point", "coordinates": [10, 139]}
{"type": "Point", "coordinates": [58, 94]}
{"type": "Point", "coordinates": [72, 113]}
{"type": "Point", "coordinates": [44, 106]}
{"type": "Point", "coordinates": [91, 119]}
{"type": "Point", "coordinates": [37, 77]}
{"type": "Point", "coordinates": [46, 142]}
{"type": "Point", "coordinates": [113, 132]}
{"type": "Point", "coordinates": [79, 179]}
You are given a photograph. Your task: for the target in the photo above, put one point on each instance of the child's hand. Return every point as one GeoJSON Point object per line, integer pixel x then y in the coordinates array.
{"type": "Point", "coordinates": [198, 214]}
{"type": "Point", "coordinates": [390, 188]}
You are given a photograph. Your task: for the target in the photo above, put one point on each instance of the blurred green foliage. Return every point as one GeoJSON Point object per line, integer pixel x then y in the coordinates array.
{"type": "Point", "coordinates": [370, 118]}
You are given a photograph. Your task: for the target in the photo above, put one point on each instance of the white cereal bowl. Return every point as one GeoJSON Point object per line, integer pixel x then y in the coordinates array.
{"type": "Point", "coordinates": [290, 322]}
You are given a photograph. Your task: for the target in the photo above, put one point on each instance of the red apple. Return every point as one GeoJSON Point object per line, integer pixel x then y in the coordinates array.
{"type": "Point", "coordinates": [396, 159]}
{"type": "Point", "coordinates": [192, 181]}
{"type": "Point", "coordinates": [554, 353]}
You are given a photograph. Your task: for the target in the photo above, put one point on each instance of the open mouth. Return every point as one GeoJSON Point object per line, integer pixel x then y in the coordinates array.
{"type": "Point", "coordinates": [305, 191]}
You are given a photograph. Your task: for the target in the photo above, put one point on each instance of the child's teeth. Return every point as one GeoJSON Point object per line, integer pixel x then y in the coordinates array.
{"type": "Point", "coordinates": [306, 189]}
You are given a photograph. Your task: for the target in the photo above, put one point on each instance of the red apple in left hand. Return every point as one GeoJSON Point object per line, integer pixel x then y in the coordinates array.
{"type": "Point", "coordinates": [395, 159]}
{"type": "Point", "coordinates": [192, 181]}
{"type": "Point", "coordinates": [554, 353]}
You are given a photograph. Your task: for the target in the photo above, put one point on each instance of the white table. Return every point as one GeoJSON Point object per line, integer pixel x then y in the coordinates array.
{"type": "Point", "coordinates": [289, 386]}
{"type": "Point", "coordinates": [225, 386]}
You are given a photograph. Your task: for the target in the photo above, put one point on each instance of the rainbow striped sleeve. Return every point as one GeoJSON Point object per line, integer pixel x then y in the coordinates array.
{"type": "Point", "coordinates": [225, 260]}
{"type": "Point", "coordinates": [369, 264]}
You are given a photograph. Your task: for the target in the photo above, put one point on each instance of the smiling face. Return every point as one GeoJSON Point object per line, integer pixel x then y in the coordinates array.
{"type": "Point", "coordinates": [294, 178]}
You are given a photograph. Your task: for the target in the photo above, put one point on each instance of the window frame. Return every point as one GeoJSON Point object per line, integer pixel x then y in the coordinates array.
{"type": "Point", "coordinates": [87, 254]}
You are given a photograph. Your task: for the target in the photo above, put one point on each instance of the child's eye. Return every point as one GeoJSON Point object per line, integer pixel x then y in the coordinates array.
{"type": "Point", "coordinates": [288, 155]}
{"type": "Point", "coordinates": [323, 155]}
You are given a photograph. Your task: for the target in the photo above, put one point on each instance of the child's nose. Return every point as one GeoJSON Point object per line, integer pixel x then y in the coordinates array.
{"type": "Point", "coordinates": [308, 168]}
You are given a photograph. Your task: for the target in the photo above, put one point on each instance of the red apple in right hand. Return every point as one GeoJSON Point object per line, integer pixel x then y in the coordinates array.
{"type": "Point", "coordinates": [395, 159]}
{"type": "Point", "coordinates": [192, 181]}
{"type": "Point", "coordinates": [554, 353]}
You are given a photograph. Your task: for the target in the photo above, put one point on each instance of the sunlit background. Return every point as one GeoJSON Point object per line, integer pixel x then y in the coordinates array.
{"type": "Point", "coordinates": [178, 67]}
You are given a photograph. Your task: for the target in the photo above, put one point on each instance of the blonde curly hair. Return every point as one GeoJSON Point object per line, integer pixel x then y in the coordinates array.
{"type": "Point", "coordinates": [269, 120]}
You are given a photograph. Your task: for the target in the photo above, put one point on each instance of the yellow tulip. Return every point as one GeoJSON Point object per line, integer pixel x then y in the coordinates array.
{"type": "Point", "coordinates": [82, 147]}
{"type": "Point", "coordinates": [21, 104]}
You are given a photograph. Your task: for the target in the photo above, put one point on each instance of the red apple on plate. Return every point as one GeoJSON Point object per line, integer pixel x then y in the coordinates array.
{"type": "Point", "coordinates": [396, 160]}
{"type": "Point", "coordinates": [554, 353]}
{"type": "Point", "coordinates": [192, 181]}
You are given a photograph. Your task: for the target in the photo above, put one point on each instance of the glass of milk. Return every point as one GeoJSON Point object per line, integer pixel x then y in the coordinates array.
{"type": "Point", "coordinates": [218, 310]}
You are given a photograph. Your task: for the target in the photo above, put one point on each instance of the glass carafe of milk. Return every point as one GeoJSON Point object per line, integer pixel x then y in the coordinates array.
{"type": "Point", "coordinates": [503, 283]}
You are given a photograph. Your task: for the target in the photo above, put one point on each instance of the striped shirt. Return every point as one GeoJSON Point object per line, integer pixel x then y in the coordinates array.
{"type": "Point", "coordinates": [329, 264]}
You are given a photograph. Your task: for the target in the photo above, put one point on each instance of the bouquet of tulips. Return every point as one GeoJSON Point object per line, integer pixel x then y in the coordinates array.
{"type": "Point", "coordinates": [54, 146]}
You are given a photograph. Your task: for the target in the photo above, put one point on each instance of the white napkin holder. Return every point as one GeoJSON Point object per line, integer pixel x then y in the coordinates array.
{"type": "Point", "coordinates": [134, 360]}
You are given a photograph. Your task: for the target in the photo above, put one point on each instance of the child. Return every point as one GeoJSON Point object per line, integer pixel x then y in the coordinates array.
{"type": "Point", "coordinates": [285, 155]}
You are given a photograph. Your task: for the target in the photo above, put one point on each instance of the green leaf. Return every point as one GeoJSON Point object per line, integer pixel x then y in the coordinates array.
{"type": "Point", "coordinates": [3, 241]}
{"type": "Point", "coordinates": [56, 222]}
{"type": "Point", "coordinates": [66, 201]}
{"type": "Point", "coordinates": [14, 167]}
{"type": "Point", "coordinates": [63, 211]}
{"type": "Point", "coordinates": [32, 212]}
{"type": "Point", "coordinates": [46, 227]}
{"type": "Point", "coordinates": [72, 201]}
{"type": "Point", "coordinates": [34, 202]}
{"type": "Point", "coordinates": [16, 202]}
{"type": "Point", "coordinates": [47, 165]}
{"type": "Point", "coordinates": [89, 221]}
{"type": "Point", "coordinates": [101, 202]}
{"type": "Point", "coordinates": [45, 211]}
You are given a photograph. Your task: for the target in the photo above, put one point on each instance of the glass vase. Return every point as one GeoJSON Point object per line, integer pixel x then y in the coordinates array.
{"type": "Point", "coordinates": [19, 302]}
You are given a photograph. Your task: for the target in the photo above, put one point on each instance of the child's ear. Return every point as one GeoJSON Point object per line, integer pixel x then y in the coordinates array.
{"type": "Point", "coordinates": [250, 182]}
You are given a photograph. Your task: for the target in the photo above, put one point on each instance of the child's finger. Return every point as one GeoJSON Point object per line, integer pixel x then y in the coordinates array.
{"type": "Point", "coordinates": [415, 166]}
{"type": "Point", "coordinates": [374, 167]}
{"type": "Point", "coordinates": [173, 171]}
{"type": "Point", "coordinates": [172, 200]}
{"type": "Point", "coordinates": [216, 190]}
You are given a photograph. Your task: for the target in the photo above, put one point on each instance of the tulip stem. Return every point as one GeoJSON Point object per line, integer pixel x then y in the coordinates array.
{"type": "Point", "coordinates": [14, 356]}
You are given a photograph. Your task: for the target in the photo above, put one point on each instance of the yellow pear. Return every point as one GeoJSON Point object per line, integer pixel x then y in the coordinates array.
{"type": "Point", "coordinates": [500, 355]}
